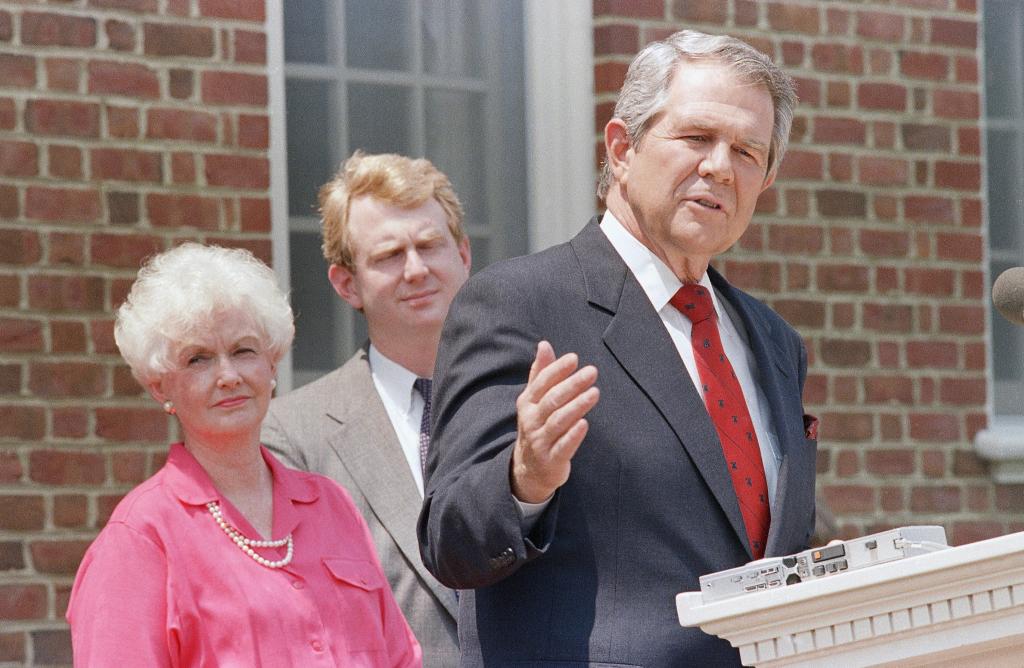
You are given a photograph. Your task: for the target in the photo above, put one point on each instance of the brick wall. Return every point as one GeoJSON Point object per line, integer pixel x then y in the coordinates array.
{"type": "Point", "coordinates": [126, 126]}
{"type": "Point", "coordinates": [871, 243]}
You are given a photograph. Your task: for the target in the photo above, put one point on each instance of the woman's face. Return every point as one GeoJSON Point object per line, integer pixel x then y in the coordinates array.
{"type": "Point", "coordinates": [220, 383]}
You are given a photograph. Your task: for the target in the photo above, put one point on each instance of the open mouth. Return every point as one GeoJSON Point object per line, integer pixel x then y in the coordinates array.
{"type": "Point", "coordinates": [708, 204]}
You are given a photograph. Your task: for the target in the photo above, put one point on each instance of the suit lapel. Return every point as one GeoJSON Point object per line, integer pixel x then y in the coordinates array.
{"type": "Point", "coordinates": [653, 363]}
{"type": "Point", "coordinates": [365, 442]}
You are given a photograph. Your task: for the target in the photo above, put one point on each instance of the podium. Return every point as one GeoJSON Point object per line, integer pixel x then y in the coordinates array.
{"type": "Point", "coordinates": [962, 606]}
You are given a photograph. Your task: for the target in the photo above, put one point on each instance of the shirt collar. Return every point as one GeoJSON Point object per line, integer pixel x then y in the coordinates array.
{"type": "Point", "coordinates": [655, 277]}
{"type": "Point", "coordinates": [192, 484]}
{"type": "Point", "coordinates": [393, 378]}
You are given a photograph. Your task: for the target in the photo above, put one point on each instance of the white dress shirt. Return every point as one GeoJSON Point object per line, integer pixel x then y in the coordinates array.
{"type": "Point", "coordinates": [660, 284]}
{"type": "Point", "coordinates": [404, 407]}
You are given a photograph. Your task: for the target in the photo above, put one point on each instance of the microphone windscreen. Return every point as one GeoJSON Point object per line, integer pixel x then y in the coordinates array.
{"type": "Point", "coordinates": [1008, 294]}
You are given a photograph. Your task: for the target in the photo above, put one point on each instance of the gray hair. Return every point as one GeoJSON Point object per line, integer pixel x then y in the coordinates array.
{"type": "Point", "coordinates": [645, 91]}
{"type": "Point", "coordinates": [181, 292]}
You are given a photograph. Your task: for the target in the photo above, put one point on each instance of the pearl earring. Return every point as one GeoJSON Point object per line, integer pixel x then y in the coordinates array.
{"type": "Point", "coordinates": [169, 408]}
{"type": "Point", "coordinates": [273, 383]}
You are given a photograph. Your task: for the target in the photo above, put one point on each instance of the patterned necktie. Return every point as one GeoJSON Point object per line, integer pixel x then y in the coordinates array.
{"type": "Point", "coordinates": [728, 410]}
{"type": "Point", "coordinates": [422, 385]}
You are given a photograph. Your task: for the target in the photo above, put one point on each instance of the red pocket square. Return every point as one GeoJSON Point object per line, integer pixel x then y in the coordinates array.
{"type": "Point", "coordinates": [810, 427]}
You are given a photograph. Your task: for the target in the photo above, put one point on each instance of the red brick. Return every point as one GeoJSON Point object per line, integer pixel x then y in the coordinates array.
{"type": "Point", "coordinates": [963, 391]}
{"type": "Point", "coordinates": [839, 131]}
{"type": "Point", "coordinates": [917, 65]}
{"type": "Point", "coordinates": [58, 293]}
{"type": "Point", "coordinates": [809, 91]}
{"type": "Point", "coordinates": [251, 47]}
{"type": "Point", "coordinates": [62, 204]}
{"type": "Point", "coordinates": [962, 319]}
{"type": "Point", "coordinates": [935, 427]}
{"type": "Point", "coordinates": [66, 379]}
{"type": "Point", "coordinates": [889, 462]}
{"type": "Point", "coordinates": [969, 141]}
{"type": "Point", "coordinates": [66, 249]}
{"type": "Point", "coordinates": [879, 243]}
{"type": "Point", "coordinates": [939, 499]}
{"type": "Point", "coordinates": [18, 335]}
{"type": "Point", "coordinates": [244, 10]}
{"type": "Point", "coordinates": [117, 164]}
{"type": "Point", "coordinates": [131, 424]}
{"type": "Point", "coordinates": [928, 281]}
{"type": "Point", "coordinates": [70, 422]}
{"type": "Point", "coordinates": [70, 510]}
{"type": "Point", "coordinates": [120, 35]}
{"type": "Point", "coordinates": [933, 463]}
{"type": "Point", "coordinates": [838, 94]}
{"type": "Point", "coordinates": [19, 601]}
{"type": "Point", "coordinates": [966, 69]}
{"type": "Point", "coordinates": [841, 204]}
{"type": "Point", "coordinates": [10, 467]}
{"type": "Point", "coordinates": [59, 557]}
{"type": "Point", "coordinates": [261, 248]}
{"type": "Point", "coordinates": [52, 29]}
{"type": "Point", "coordinates": [253, 131]}
{"type": "Point", "coordinates": [22, 422]}
{"type": "Point", "coordinates": [793, 54]}
{"type": "Point", "coordinates": [840, 167]}
{"type": "Point", "coordinates": [8, 114]}
{"type": "Point", "coordinates": [951, 32]}
{"type": "Point", "coordinates": [608, 77]}
{"type": "Point", "coordinates": [131, 5]}
{"type": "Point", "coordinates": [622, 39]}
{"type": "Point", "coordinates": [934, 210]}
{"type": "Point", "coordinates": [960, 247]}
{"type": "Point", "coordinates": [6, 33]}
{"type": "Point", "coordinates": [795, 239]}
{"type": "Point", "coordinates": [634, 9]}
{"type": "Point", "coordinates": [22, 513]}
{"type": "Point", "coordinates": [842, 315]}
{"type": "Point", "coordinates": [122, 122]}
{"type": "Point", "coordinates": [802, 165]}
{"type": "Point", "coordinates": [129, 466]}
{"type": "Point", "coordinates": [67, 336]}
{"type": "Point", "coordinates": [183, 211]}
{"type": "Point", "coordinates": [958, 175]}
{"type": "Point", "coordinates": [880, 171]}
{"type": "Point", "coordinates": [920, 137]}
{"type": "Point", "coordinates": [839, 58]}
{"type": "Point", "coordinates": [182, 124]}
{"type": "Point", "coordinates": [956, 104]}
{"type": "Point", "coordinates": [700, 12]}
{"type": "Point", "coordinates": [891, 318]}
{"type": "Point", "coordinates": [254, 214]}
{"type": "Point", "coordinates": [102, 334]}
{"type": "Point", "coordinates": [801, 312]}
{"type": "Point", "coordinates": [10, 383]}
{"type": "Point", "coordinates": [237, 171]}
{"type": "Point", "coordinates": [63, 74]}
{"type": "Point", "coordinates": [183, 168]}
{"type": "Point", "coordinates": [65, 162]}
{"type": "Point", "coordinates": [233, 88]}
{"type": "Point", "coordinates": [64, 467]}
{"type": "Point", "coordinates": [754, 275]}
{"type": "Point", "coordinates": [845, 353]}
{"type": "Point", "coordinates": [19, 246]}
{"type": "Point", "coordinates": [847, 464]}
{"type": "Point", "coordinates": [62, 117]}
{"type": "Point", "coordinates": [170, 39]}
{"type": "Point", "coordinates": [964, 532]}
{"type": "Point", "coordinates": [850, 498]}
{"type": "Point", "coordinates": [882, 96]}
{"type": "Point", "coordinates": [881, 26]}
{"type": "Point", "coordinates": [123, 250]}
{"type": "Point", "coordinates": [52, 647]}
{"type": "Point", "coordinates": [17, 71]}
{"type": "Point", "coordinates": [181, 84]}
{"type": "Point", "coordinates": [932, 354]}
{"type": "Point", "coordinates": [794, 18]}
{"type": "Point", "coordinates": [127, 79]}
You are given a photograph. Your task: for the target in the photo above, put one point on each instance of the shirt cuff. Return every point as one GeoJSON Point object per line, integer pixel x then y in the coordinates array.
{"type": "Point", "coordinates": [530, 512]}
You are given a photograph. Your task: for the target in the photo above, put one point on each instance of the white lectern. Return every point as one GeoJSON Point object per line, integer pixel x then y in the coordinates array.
{"type": "Point", "coordinates": [963, 606]}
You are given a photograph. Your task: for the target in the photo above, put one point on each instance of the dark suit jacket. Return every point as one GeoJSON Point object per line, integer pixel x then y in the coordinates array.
{"type": "Point", "coordinates": [338, 426]}
{"type": "Point", "coordinates": [649, 505]}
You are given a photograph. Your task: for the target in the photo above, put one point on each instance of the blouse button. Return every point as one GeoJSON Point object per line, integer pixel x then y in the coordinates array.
{"type": "Point", "coordinates": [317, 646]}
{"type": "Point", "coordinates": [298, 584]}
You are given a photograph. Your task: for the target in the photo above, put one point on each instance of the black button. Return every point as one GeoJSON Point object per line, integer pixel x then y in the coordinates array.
{"type": "Point", "coordinates": [818, 570]}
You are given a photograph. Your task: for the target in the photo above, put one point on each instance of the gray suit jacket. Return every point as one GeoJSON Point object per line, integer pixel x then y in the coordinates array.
{"type": "Point", "coordinates": [337, 426]}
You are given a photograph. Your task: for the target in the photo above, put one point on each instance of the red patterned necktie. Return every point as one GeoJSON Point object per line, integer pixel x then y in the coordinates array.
{"type": "Point", "coordinates": [728, 410]}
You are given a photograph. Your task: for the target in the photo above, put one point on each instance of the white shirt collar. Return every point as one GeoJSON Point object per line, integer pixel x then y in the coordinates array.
{"type": "Point", "coordinates": [394, 379]}
{"type": "Point", "coordinates": [656, 279]}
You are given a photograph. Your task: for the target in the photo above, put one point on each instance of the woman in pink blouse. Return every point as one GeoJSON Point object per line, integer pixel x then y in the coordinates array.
{"type": "Point", "coordinates": [225, 557]}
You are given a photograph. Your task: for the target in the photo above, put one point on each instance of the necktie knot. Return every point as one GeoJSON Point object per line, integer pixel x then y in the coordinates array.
{"type": "Point", "coordinates": [694, 301]}
{"type": "Point", "coordinates": [423, 386]}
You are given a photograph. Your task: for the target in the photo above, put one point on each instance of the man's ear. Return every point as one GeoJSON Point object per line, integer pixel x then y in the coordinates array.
{"type": "Point", "coordinates": [618, 148]}
{"type": "Point", "coordinates": [155, 388]}
{"type": "Point", "coordinates": [466, 253]}
{"type": "Point", "coordinates": [769, 180]}
{"type": "Point", "coordinates": [345, 284]}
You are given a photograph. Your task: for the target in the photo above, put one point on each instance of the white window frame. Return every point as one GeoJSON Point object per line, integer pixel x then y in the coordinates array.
{"type": "Point", "coordinates": [1002, 442]}
{"type": "Point", "coordinates": [559, 88]}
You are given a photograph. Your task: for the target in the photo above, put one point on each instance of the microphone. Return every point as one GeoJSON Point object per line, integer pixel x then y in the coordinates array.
{"type": "Point", "coordinates": [1008, 294]}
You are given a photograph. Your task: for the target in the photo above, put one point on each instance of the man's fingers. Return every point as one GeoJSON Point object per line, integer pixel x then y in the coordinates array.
{"type": "Point", "coordinates": [565, 447]}
{"type": "Point", "coordinates": [563, 417]}
{"type": "Point", "coordinates": [549, 376]}
{"type": "Point", "coordinates": [545, 355]}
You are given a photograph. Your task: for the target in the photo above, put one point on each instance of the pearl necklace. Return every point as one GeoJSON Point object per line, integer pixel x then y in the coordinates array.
{"type": "Point", "coordinates": [246, 544]}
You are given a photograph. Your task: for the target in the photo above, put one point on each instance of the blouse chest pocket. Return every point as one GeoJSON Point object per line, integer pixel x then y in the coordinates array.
{"type": "Point", "coordinates": [359, 592]}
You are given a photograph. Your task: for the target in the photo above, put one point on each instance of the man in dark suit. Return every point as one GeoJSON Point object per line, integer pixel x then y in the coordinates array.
{"type": "Point", "coordinates": [574, 506]}
{"type": "Point", "coordinates": [393, 236]}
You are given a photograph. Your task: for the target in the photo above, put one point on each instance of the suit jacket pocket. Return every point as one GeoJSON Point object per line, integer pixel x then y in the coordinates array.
{"type": "Point", "coordinates": [360, 595]}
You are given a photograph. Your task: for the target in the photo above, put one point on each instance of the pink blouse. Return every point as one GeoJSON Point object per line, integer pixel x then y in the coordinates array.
{"type": "Point", "coordinates": [163, 585]}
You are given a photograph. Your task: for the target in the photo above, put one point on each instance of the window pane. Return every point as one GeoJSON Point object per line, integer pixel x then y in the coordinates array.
{"type": "Point", "coordinates": [305, 31]}
{"type": "Point", "coordinates": [309, 123]}
{"type": "Point", "coordinates": [1006, 213]}
{"type": "Point", "coordinates": [454, 130]}
{"type": "Point", "coordinates": [451, 38]}
{"type": "Point", "coordinates": [1004, 25]}
{"type": "Point", "coordinates": [378, 35]}
{"type": "Point", "coordinates": [379, 119]}
{"type": "Point", "coordinates": [312, 297]}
